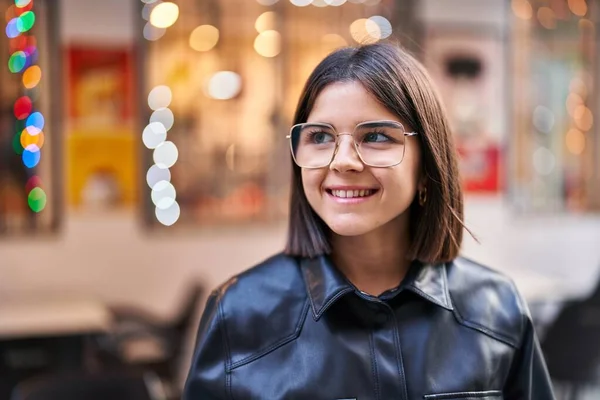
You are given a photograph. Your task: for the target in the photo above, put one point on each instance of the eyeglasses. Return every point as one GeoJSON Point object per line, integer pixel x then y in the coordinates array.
{"type": "Point", "coordinates": [377, 143]}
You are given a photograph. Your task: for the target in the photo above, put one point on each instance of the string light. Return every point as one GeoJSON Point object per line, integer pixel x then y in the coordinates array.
{"type": "Point", "coordinates": [165, 153]}
{"type": "Point", "coordinates": [29, 137]}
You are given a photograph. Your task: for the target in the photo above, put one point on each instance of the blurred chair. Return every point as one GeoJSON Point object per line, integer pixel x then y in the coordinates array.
{"type": "Point", "coordinates": [571, 347]}
{"type": "Point", "coordinates": [113, 386]}
{"type": "Point", "coordinates": [140, 340]}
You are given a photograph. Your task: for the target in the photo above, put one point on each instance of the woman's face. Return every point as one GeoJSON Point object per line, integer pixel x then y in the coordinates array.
{"type": "Point", "coordinates": [389, 191]}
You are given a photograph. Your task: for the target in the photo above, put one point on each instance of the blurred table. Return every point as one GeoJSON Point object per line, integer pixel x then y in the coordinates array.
{"type": "Point", "coordinates": [41, 318]}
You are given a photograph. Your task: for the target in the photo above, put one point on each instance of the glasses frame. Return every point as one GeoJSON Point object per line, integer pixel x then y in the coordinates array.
{"type": "Point", "coordinates": [337, 141]}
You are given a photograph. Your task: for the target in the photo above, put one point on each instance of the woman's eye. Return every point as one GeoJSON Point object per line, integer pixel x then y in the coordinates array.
{"type": "Point", "coordinates": [322, 137]}
{"type": "Point", "coordinates": [375, 137]}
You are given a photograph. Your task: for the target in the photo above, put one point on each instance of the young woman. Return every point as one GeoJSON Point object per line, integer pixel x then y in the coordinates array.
{"type": "Point", "coordinates": [370, 299]}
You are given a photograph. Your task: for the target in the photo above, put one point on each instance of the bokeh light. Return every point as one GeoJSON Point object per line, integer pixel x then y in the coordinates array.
{"type": "Point", "coordinates": [31, 156]}
{"type": "Point", "coordinates": [224, 85]}
{"type": "Point", "coordinates": [17, 61]}
{"type": "Point", "coordinates": [23, 107]}
{"type": "Point", "coordinates": [578, 86]}
{"type": "Point", "coordinates": [32, 76]}
{"type": "Point", "coordinates": [268, 43]}
{"type": "Point", "coordinates": [573, 101]}
{"type": "Point", "coordinates": [12, 31]}
{"type": "Point", "coordinates": [35, 123]}
{"type": "Point", "coordinates": [583, 118]}
{"type": "Point", "coordinates": [16, 144]}
{"type": "Point", "coordinates": [578, 7]}
{"type": "Point", "coordinates": [26, 21]}
{"type": "Point", "coordinates": [20, 10]}
{"type": "Point", "coordinates": [365, 31]}
{"type": "Point", "coordinates": [204, 38]}
{"type": "Point", "coordinates": [301, 3]}
{"type": "Point", "coordinates": [169, 216]}
{"type": "Point", "coordinates": [164, 15]}
{"type": "Point", "coordinates": [384, 27]}
{"type": "Point", "coordinates": [575, 141]}
{"type": "Point", "coordinates": [522, 9]}
{"type": "Point", "coordinates": [165, 155]}
{"type": "Point", "coordinates": [153, 33]}
{"type": "Point", "coordinates": [28, 140]}
{"type": "Point", "coordinates": [546, 17]}
{"type": "Point", "coordinates": [156, 174]}
{"type": "Point", "coordinates": [544, 161]}
{"type": "Point", "coordinates": [335, 3]}
{"type": "Point", "coordinates": [37, 199]}
{"type": "Point", "coordinates": [164, 116]}
{"type": "Point", "coordinates": [319, 3]}
{"type": "Point", "coordinates": [154, 134]}
{"type": "Point", "coordinates": [22, 3]}
{"type": "Point", "coordinates": [163, 195]}
{"type": "Point", "coordinates": [543, 119]}
{"type": "Point", "coordinates": [10, 13]}
{"type": "Point", "coordinates": [32, 183]}
{"type": "Point", "coordinates": [160, 97]}
{"type": "Point", "coordinates": [266, 21]}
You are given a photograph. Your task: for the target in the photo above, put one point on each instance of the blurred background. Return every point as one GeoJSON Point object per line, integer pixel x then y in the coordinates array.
{"type": "Point", "coordinates": [143, 161]}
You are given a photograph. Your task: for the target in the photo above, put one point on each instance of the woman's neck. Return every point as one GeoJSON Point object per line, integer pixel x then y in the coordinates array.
{"type": "Point", "coordinates": [374, 262]}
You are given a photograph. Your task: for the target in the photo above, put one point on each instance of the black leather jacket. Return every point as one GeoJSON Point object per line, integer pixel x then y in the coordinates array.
{"type": "Point", "coordinates": [297, 329]}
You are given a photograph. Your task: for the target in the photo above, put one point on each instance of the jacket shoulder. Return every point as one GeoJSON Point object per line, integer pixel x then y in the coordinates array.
{"type": "Point", "coordinates": [487, 300]}
{"type": "Point", "coordinates": [262, 308]}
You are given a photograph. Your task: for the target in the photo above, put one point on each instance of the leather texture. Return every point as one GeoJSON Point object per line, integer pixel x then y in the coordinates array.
{"type": "Point", "coordinates": [296, 328]}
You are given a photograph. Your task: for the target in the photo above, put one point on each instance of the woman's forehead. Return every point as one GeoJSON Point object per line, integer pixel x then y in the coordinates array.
{"type": "Point", "coordinates": [348, 104]}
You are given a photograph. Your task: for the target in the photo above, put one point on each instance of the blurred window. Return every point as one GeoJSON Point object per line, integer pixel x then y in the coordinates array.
{"type": "Point", "coordinates": [555, 144]}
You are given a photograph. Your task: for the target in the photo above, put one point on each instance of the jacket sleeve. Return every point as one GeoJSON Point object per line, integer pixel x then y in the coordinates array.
{"type": "Point", "coordinates": [529, 378]}
{"type": "Point", "coordinates": [207, 378]}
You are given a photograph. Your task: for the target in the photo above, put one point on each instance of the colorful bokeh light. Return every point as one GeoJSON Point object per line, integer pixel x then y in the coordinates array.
{"type": "Point", "coordinates": [23, 107]}
{"type": "Point", "coordinates": [32, 76]}
{"type": "Point", "coordinates": [32, 183]}
{"type": "Point", "coordinates": [16, 144]}
{"type": "Point", "coordinates": [22, 3]}
{"type": "Point", "coordinates": [26, 21]}
{"type": "Point", "coordinates": [17, 61]}
{"type": "Point", "coordinates": [12, 30]}
{"type": "Point", "coordinates": [22, 42]}
{"type": "Point", "coordinates": [31, 156]}
{"type": "Point", "coordinates": [23, 9]}
{"type": "Point", "coordinates": [35, 123]}
{"type": "Point", "coordinates": [37, 199]}
{"type": "Point", "coordinates": [28, 140]}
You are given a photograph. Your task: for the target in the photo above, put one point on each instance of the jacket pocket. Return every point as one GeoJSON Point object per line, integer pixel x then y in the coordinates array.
{"type": "Point", "coordinates": [485, 395]}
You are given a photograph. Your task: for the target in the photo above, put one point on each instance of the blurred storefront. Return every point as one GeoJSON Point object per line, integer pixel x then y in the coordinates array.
{"type": "Point", "coordinates": [211, 86]}
{"type": "Point", "coordinates": [30, 139]}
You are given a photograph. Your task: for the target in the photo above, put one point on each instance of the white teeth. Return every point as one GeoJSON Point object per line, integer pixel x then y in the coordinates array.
{"type": "Point", "coordinates": [352, 193]}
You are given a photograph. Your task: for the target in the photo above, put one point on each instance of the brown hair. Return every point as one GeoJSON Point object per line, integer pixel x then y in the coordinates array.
{"type": "Point", "coordinates": [402, 85]}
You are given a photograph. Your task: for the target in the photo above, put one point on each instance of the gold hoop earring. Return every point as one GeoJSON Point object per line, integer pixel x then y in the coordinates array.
{"type": "Point", "coordinates": [422, 196]}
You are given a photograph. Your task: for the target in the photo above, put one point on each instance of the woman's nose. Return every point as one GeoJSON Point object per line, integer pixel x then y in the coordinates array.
{"type": "Point", "coordinates": [346, 156]}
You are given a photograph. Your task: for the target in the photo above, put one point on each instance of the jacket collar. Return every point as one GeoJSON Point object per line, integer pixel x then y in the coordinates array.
{"type": "Point", "coordinates": [325, 284]}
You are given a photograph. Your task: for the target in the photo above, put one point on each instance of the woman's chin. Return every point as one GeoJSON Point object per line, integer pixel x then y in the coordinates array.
{"type": "Point", "coordinates": [349, 228]}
